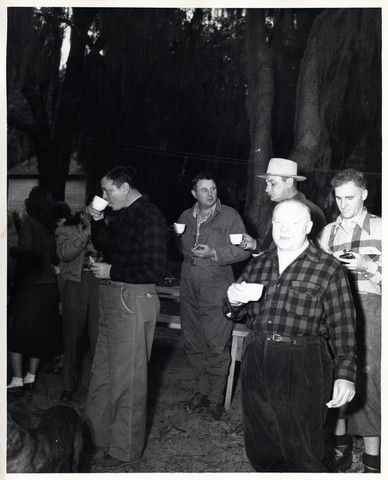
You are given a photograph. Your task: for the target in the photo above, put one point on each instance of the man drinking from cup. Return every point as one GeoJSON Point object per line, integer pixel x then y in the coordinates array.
{"type": "Point", "coordinates": [133, 244]}
{"type": "Point", "coordinates": [286, 371]}
{"type": "Point", "coordinates": [206, 273]}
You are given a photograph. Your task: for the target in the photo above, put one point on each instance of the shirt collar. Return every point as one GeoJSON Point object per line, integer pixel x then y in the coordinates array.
{"type": "Point", "coordinates": [294, 254]}
{"type": "Point", "coordinates": [312, 252]}
{"type": "Point", "coordinates": [362, 220]}
{"type": "Point", "coordinates": [216, 206]}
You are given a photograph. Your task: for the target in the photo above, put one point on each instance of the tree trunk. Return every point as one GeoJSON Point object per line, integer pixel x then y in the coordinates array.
{"type": "Point", "coordinates": [53, 172]}
{"type": "Point", "coordinates": [259, 107]}
{"type": "Point", "coordinates": [327, 103]}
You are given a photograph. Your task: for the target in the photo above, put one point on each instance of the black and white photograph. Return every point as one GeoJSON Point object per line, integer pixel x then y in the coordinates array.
{"type": "Point", "coordinates": [192, 237]}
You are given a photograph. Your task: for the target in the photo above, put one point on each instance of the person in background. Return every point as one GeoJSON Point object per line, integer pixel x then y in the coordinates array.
{"type": "Point", "coordinates": [361, 232]}
{"type": "Point", "coordinates": [80, 294]}
{"type": "Point", "coordinates": [282, 183]}
{"type": "Point", "coordinates": [63, 212]}
{"type": "Point", "coordinates": [133, 244]}
{"type": "Point", "coordinates": [35, 327]}
{"type": "Point", "coordinates": [13, 225]}
{"type": "Point", "coordinates": [286, 370]}
{"type": "Point", "coordinates": [205, 276]}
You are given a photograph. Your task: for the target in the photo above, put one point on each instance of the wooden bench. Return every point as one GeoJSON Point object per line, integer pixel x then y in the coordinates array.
{"type": "Point", "coordinates": [240, 331]}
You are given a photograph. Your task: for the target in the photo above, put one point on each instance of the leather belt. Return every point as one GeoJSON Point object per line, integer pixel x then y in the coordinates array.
{"type": "Point", "coordinates": [277, 338]}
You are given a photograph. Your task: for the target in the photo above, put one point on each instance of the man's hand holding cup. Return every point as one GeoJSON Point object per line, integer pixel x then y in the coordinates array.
{"type": "Point", "coordinates": [97, 207]}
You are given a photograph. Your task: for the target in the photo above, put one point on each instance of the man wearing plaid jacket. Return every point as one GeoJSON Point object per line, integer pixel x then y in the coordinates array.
{"type": "Point", "coordinates": [286, 371]}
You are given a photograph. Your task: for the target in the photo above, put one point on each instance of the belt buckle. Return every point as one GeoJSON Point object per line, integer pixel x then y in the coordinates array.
{"type": "Point", "coordinates": [276, 337]}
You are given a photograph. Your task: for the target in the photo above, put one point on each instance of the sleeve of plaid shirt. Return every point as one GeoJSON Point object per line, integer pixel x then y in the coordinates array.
{"type": "Point", "coordinates": [340, 318]}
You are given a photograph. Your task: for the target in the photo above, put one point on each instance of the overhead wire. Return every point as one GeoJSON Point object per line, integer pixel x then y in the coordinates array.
{"type": "Point", "coordinates": [192, 156]}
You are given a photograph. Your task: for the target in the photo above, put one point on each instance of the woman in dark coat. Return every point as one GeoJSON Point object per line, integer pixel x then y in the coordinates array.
{"type": "Point", "coordinates": [35, 327]}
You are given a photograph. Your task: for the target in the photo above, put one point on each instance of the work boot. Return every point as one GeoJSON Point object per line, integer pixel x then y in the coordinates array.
{"type": "Point", "coordinates": [107, 461]}
{"type": "Point", "coordinates": [197, 401]}
{"type": "Point", "coordinates": [214, 411]}
{"type": "Point", "coordinates": [340, 459]}
{"type": "Point", "coordinates": [371, 463]}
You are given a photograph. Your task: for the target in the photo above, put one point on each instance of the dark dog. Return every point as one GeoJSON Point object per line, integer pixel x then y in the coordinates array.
{"type": "Point", "coordinates": [55, 445]}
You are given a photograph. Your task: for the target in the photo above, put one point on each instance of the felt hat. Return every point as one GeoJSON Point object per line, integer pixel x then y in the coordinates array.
{"type": "Point", "coordinates": [281, 167]}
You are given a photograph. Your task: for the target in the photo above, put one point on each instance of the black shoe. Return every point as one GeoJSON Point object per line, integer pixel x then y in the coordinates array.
{"type": "Point", "coordinates": [214, 411]}
{"type": "Point", "coordinates": [67, 396]}
{"type": "Point", "coordinates": [107, 461]}
{"type": "Point", "coordinates": [340, 459]}
{"type": "Point", "coordinates": [370, 469]}
{"type": "Point", "coordinates": [197, 401]}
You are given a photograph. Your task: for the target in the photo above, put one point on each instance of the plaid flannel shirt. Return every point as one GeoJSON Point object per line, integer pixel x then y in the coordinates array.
{"type": "Point", "coordinates": [134, 242]}
{"type": "Point", "coordinates": [311, 297]}
{"type": "Point", "coordinates": [365, 239]}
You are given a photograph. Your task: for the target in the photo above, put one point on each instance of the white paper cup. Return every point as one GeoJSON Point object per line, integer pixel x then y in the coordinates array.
{"type": "Point", "coordinates": [99, 203]}
{"type": "Point", "coordinates": [236, 238]}
{"type": "Point", "coordinates": [253, 291]}
{"type": "Point", "coordinates": [179, 228]}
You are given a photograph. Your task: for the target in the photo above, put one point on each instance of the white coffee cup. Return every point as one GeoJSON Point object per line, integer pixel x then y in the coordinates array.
{"type": "Point", "coordinates": [253, 291]}
{"type": "Point", "coordinates": [99, 203]}
{"type": "Point", "coordinates": [179, 228]}
{"type": "Point", "coordinates": [236, 238]}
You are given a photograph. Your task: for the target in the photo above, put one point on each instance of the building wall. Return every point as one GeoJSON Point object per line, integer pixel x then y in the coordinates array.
{"type": "Point", "coordinates": [19, 189]}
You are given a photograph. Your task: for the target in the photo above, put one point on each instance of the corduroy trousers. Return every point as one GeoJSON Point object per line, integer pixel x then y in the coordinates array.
{"type": "Point", "coordinates": [284, 391]}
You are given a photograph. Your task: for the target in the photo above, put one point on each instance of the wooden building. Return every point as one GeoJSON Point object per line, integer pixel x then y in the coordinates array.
{"type": "Point", "coordinates": [22, 178]}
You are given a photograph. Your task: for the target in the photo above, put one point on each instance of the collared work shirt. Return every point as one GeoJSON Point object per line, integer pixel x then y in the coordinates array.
{"type": "Point", "coordinates": [311, 297]}
{"type": "Point", "coordinates": [134, 243]}
{"type": "Point", "coordinates": [202, 218]}
{"type": "Point", "coordinates": [364, 238]}
{"type": "Point", "coordinates": [214, 231]}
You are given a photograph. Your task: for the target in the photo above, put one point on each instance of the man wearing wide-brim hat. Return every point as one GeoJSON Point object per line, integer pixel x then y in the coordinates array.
{"type": "Point", "coordinates": [281, 178]}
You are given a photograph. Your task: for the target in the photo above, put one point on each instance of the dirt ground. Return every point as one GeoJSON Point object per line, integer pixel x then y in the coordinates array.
{"type": "Point", "coordinates": [176, 441]}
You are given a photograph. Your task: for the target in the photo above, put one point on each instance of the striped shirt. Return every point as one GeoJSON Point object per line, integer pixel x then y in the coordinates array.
{"type": "Point", "coordinates": [134, 243]}
{"type": "Point", "coordinates": [311, 297]}
{"type": "Point", "coordinates": [364, 238]}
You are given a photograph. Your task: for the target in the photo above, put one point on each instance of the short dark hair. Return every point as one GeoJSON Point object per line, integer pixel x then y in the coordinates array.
{"type": "Point", "coordinates": [62, 209]}
{"type": "Point", "coordinates": [202, 176]}
{"type": "Point", "coordinates": [120, 175]}
{"type": "Point", "coordinates": [349, 175]}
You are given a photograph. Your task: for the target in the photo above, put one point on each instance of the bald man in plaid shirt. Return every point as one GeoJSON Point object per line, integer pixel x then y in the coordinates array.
{"type": "Point", "coordinates": [286, 372]}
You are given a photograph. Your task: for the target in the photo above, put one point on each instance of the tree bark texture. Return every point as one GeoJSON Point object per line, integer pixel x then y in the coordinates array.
{"type": "Point", "coordinates": [53, 169]}
{"type": "Point", "coordinates": [259, 103]}
{"type": "Point", "coordinates": [337, 48]}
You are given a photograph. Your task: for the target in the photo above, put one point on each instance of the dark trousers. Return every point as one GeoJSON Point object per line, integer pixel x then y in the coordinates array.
{"type": "Point", "coordinates": [79, 311]}
{"type": "Point", "coordinates": [206, 332]}
{"type": "Point", "coordinates": [284, 391]}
